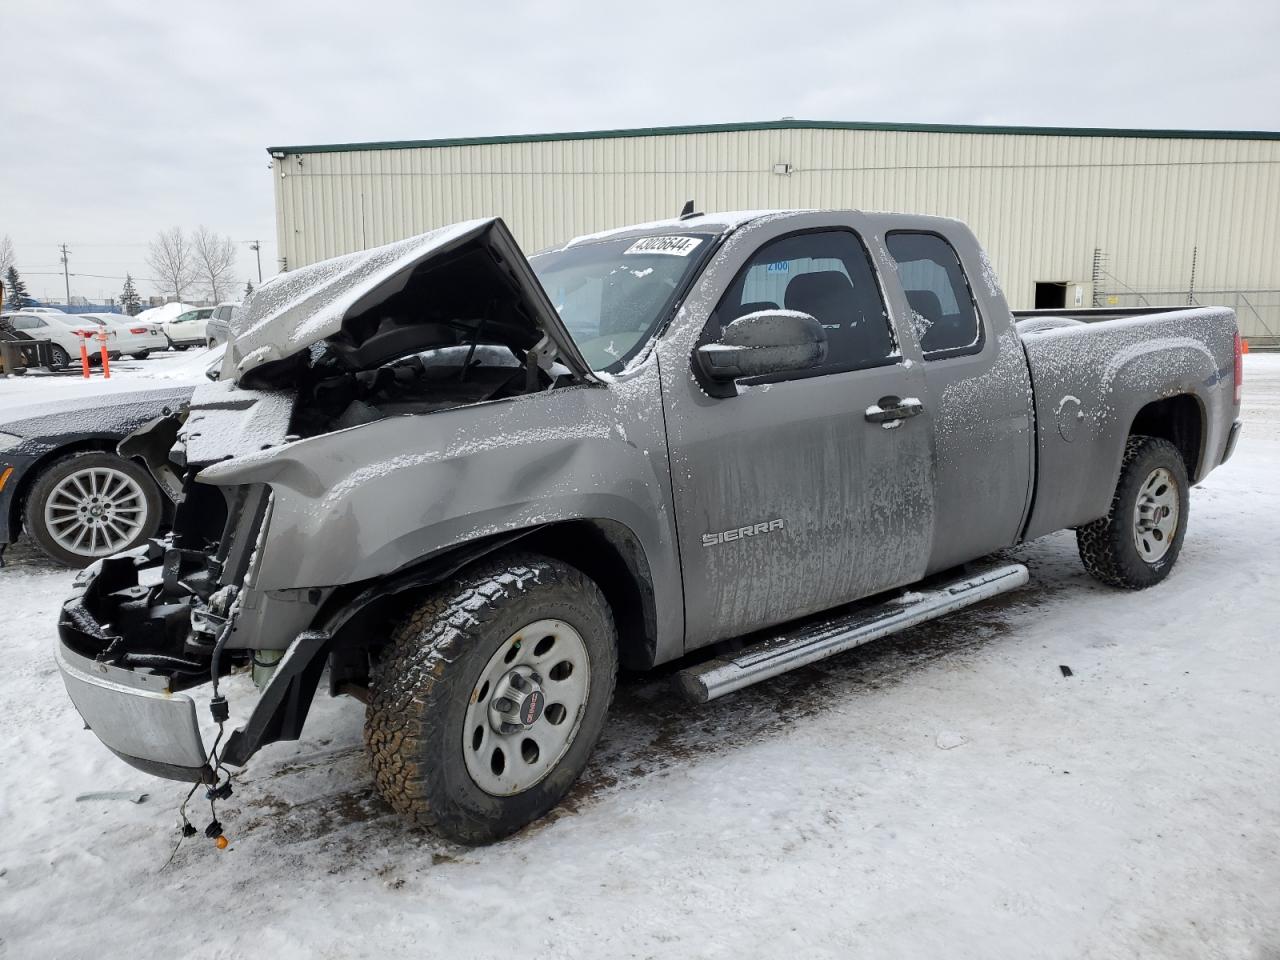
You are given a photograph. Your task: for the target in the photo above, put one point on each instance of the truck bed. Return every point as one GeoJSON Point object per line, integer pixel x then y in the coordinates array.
{"type": "Point", "coordinates": [1096, 373]}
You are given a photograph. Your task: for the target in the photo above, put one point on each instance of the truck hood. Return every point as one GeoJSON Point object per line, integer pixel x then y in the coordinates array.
{"type": "Point", "coordinates": [459, 266]}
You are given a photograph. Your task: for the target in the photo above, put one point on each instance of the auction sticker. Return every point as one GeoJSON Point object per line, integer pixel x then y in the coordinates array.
{"type": "Point", "coordinates": [672, 246]}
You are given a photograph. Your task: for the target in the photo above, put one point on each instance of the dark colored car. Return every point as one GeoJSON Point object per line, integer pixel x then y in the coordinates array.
{"type": "Point", "coordinates": [64, 485]}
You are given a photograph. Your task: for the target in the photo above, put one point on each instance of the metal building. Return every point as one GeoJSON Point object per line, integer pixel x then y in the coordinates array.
{"type": "Point", "coordinates": [1071, 216]}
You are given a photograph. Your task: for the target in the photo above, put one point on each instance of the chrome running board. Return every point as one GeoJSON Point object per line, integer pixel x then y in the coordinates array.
{"type": "Point", "coordinates": [813, 642]}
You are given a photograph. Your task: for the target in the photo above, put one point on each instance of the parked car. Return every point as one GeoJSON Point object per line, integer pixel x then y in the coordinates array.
{"type": "Point", "coordinates": [65, 330]}
{"type": "Point", "coordinates": [43, 310]}
{"type": "Point", "coordinates": [188, 329]}
{"type": "Point", "coordinates": [134, 338]}
{"type": "Point", "coordinates": [791, 431]}
{"type": "Point", "coordinates": [62, 481]}
{"type": "Point", "coordinates": [217, 329]}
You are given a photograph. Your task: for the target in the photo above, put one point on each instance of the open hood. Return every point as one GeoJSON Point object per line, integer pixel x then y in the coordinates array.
{"type": "Point", "coordinates": [455, 285]}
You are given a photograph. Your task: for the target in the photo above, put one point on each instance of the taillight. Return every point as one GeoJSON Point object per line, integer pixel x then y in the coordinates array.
{"type": "Point", "coordinates": [137, 329]}
{"type": "Point", "coordinates": [1239, 371]}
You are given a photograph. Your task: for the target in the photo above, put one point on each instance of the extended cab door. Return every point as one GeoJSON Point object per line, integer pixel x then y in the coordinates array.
{"type": "Point", "coordinates": [979, 388]}
{"type": "Point", "coordinates": [791, 496]}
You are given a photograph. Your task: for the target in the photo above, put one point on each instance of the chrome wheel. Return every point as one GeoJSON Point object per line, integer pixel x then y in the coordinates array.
{"type": "Point", "coordinates": [526, 707]}
{"type": "Point", "coordinates": [95, 512]}
{"type": "Point", "coordinates": [1155, 515]}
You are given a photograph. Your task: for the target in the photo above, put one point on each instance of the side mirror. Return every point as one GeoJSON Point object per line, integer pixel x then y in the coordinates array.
{"type": "Point", "coordinates": [762, 343]}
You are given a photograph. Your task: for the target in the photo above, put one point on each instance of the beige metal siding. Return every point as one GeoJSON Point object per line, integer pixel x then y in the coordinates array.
{"type": "Point", "coordinates": [1041, 204]}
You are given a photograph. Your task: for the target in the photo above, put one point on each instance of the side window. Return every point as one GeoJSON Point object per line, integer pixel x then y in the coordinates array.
{"type": "Point", "coordinates": [829, 276]}
{"type": "Point", "coordinates": [942, 310]}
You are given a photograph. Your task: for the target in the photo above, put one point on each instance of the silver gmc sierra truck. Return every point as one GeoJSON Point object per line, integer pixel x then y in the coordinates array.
{"type": "Point", "coordinates": [470, 485]}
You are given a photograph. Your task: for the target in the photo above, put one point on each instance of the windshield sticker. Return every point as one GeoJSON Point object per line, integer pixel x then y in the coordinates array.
{"type": "Point", "coordinates": [672, 246]}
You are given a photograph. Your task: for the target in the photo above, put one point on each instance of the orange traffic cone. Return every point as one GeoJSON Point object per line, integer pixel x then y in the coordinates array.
{"type": "Point", "coordinates": [1244, 346]}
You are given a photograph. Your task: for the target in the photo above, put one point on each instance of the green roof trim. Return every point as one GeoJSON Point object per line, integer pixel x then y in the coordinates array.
{"type": "Point", "coordinates": [785, 125]}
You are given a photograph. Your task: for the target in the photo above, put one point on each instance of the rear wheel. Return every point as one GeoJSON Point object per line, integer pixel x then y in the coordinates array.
{"type": "Point", "coordinates": [491, 696]}
{"type": "Point", "coordinates": [141, 355]}
{"type": "Point", "coordinates": [1137, 543]}
{"type": "Point", "coordinates": [58, 357]}
{"type": "Point", "coordinates": [91, 505]}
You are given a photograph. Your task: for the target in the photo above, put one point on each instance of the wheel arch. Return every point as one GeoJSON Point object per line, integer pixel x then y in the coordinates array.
{"type": "Point", "coordinates": [1181, 420]}
{"type": "Point", "coordinates": [605, 550]}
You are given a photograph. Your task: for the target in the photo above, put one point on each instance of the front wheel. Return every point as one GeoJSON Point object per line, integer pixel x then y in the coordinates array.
{"type": "Point", "coordinates": [91, 505]}
{"type": "Point", "coordinates": [58, 357]}
{"type": "Point", "coordinates": [1137, 543]}
{"type": "Point", "coordinates": [142, 355]}
{"type": "Point", "coordinates": [490, 697]}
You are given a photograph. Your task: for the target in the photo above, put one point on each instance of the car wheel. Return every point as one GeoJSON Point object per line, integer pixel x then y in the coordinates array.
{"type": "Point", "coordinates": [1137, 543]}
{"type": "Point", "coordinates": [491, 695]}
{"type": "Point", "coordinates": [58, 358]}
{"type": "Point", "coordinates": [141, 355]}
{"type": "Point", "coordinates": [91, 505]}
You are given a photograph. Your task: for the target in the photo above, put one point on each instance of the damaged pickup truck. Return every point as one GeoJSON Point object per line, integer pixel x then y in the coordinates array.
{"type": "Point", "coordinates": [470, 486]}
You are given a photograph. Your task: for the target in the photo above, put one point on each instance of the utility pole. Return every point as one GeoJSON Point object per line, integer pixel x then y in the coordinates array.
{"type": "Point", "coordinates": [256, 247]}
{"type": "Point", "coordinates": [66, 277]}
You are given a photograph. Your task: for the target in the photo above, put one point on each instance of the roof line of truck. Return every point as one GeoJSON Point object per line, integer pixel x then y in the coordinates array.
{"type": "Point", "coordinates": [783, 125]}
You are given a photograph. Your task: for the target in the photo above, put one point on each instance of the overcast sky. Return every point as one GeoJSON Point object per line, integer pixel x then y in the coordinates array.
{"type": "Point", "coordinates": [119, 119]}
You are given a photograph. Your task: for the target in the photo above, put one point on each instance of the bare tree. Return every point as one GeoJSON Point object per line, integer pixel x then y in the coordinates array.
{"type": "Point", "coordinates": [172, 262]}
{"type": "Point", "coordinates": [215, 262]}
{"type": "Point", "coordinates": [6, 261]}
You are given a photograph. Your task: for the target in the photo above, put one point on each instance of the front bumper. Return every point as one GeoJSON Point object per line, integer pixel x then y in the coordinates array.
{"type": "Point", "coordinates": [13, 467]}
{"type": "Point", "coordinates": [137, 717]}
{"type": "Point", "coordinates": [123, 672]}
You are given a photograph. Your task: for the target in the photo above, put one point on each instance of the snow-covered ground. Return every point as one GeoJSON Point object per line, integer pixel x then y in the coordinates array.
{"type": "Point", "coordinates": [159, 369]}
{"type": "Point", "coordinates": [944, 793]}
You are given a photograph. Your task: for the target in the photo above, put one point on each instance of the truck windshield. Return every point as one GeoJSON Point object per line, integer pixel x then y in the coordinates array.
{"type": "Point", "coordinates": [612, 294]}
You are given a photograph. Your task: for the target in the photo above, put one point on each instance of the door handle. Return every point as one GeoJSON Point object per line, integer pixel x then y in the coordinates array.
{"type": "Point", "coordinates": [889, 412]}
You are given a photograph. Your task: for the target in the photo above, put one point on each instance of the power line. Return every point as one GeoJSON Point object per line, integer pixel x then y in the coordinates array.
{"type": "Point", "coordinates": [95, 276]}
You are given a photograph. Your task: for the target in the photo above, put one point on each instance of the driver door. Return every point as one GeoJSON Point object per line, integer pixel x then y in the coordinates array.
{"type": "Point", "coordinates": [788, 499]}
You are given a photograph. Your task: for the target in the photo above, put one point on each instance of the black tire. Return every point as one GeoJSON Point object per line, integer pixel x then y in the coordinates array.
{"type": "Point", "coordinates": [58, 357]}
{"type": "Point", "coordinates": [45, 484]}
{"type": "Point", "coordinates": [424, 680]}
{"type": "Point", "coordinates": [1109, 547]}
{"type": "Point", "coordinates": [141, 356]}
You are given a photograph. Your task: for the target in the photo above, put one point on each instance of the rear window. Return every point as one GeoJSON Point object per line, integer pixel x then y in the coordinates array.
{"type": "Point", "coordinates": [942, 309]}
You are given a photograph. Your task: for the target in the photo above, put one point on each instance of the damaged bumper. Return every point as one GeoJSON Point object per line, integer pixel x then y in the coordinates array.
{"type": "Point", "coordinates": [126, 692]}
{"type": "Point", "coordinates": [137, 717]}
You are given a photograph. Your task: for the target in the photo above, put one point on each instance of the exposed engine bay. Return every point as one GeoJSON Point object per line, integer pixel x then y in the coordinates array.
{"type": "Point", "coordinates": [457, 328]}
{"type": "Point", "coordinates": [437, 379]}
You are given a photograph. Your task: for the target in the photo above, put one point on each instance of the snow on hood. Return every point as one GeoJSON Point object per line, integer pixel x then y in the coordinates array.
{"type": "Point", "coordinates": [294, 310]}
